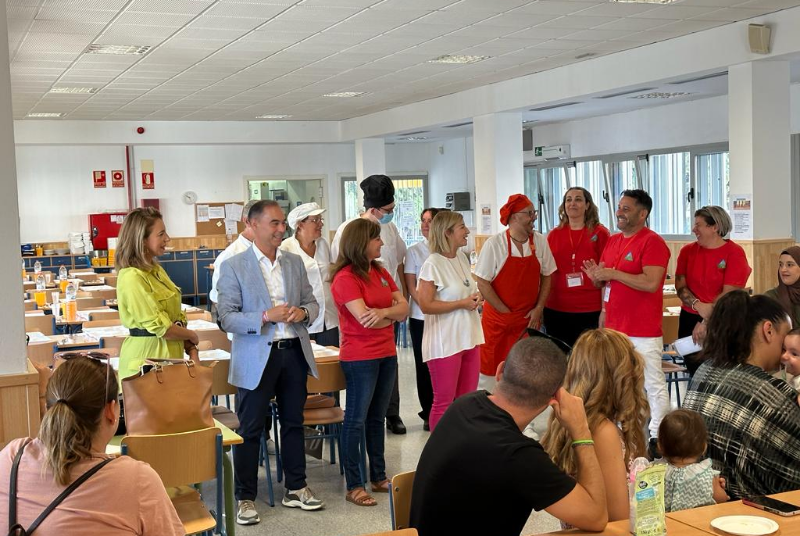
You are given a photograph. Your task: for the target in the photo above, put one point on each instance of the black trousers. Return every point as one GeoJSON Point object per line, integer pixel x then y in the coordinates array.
{"type": "Point", "coordinates": [327, 337]}
{"type": "Point", "coordinates": [568, 327]}
{"type": "Point", "coordinates": [686, 323]}
{"type": "Point", "coordinates": [394, 402]}
{"type": "Point", "coordinates": [285, 379]}
{"type": "Point", "coordinates": [424, 388]}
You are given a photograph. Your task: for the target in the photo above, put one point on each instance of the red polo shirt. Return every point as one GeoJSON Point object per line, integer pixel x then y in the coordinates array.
{"type": "Point", "coordinates": [634, 312]}
{"type": "Point", "coordinates": [708, 270]}
{"type": "Point", "coordinates": [570, 248]}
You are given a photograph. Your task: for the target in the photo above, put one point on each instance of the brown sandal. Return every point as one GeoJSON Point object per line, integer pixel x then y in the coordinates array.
{"type": "Point", "coordinates": [382, 486]}
{"type": "Point", "coordinates": [360, 497]}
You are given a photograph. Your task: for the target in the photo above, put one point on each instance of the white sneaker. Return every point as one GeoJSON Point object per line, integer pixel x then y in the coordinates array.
{"type": "Point", "coordinates": [302, 498]}
{"type": "Point", "coordinates": [246, 514]}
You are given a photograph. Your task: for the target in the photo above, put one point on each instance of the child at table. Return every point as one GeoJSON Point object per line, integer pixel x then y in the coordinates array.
{"type": "Point", "coordinates": [791, 359]}
{"type": "Point", "coordinates": [690, 480]}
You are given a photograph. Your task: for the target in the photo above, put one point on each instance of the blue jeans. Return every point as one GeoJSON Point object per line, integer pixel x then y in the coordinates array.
{"type": "Point", "coordinates": [369, 386]}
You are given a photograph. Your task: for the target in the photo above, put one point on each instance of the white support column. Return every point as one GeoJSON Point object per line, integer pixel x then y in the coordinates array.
{"type": "Point", "coordinates": [499, 170]}
{"type": "Point", "coordinates": [12, 335]}
{"type": "Point", "coordinates": [758, 110]}
{"type": "Point", "coordinates": [370, 160]}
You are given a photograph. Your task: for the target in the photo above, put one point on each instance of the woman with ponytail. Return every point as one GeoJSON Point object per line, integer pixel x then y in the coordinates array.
{"type": "Point", "coordinates": [122, 497]}
{"type": "Point", "coordinates": [752, 418]}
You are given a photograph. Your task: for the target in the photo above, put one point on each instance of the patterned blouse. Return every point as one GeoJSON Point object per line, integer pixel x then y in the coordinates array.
{"type": "Point", "coordinates": [689, 486]}
{"type": "Point", "coordinates": [753, 422]}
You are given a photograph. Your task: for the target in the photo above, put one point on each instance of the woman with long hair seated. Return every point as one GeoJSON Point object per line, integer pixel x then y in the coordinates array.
{"type": "Point", "coordinates": [122, 497]}
{"type": "Point", "coordinates": [608, 374]}
{"type": "Point", "coordinates": [752, 418]}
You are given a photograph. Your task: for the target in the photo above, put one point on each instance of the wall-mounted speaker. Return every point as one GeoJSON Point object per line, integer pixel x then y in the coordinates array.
{"type": "Point", "coordinates": [759, 36]}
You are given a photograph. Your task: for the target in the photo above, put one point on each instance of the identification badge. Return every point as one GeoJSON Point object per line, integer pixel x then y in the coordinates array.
{"type": "Point", "coordinates": [607, 293]}
{"type": "Point", "coordinates": [575, 279]}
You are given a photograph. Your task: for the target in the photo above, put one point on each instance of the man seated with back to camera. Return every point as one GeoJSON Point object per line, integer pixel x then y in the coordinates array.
{"type": "Point", "coordinates": [478, 461]}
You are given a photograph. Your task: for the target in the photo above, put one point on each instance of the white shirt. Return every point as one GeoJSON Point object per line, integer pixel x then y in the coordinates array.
{"type": "Point", "coordinates": [237, 246]}
{"type": "Point", "coordinates": [393, 251]}
{"type": "Point", "coordinates": [495, 252]}
{"type": "Point", "coordinates": [273, 277]}
{"type": "Point", "coordinates": [415, 257]}
{"type": "Point", "coordinates": [449, 333]}
{"type": "Point", "coordinates": [318, 270]}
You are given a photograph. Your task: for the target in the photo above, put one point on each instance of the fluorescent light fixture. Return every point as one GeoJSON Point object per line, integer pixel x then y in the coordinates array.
{"type": "Point", "coordinates": [414, 138]}
{"type": "Point", "coordinates": [121, 50]}
{"type": "Point", "coordinates": [660, 95]}
{"type": "Point", "coordinates": [271, 116]}
{"type": "Point", "coordinates": [73, 90]}
{"type": "Point", "coordinates": [409, 134]}
{"type": "Point", "coordinates": [553, 106]}
{"type": "Point", "coordinates": [42, 115]}
{"type": "Point", "coordinates": [458, 58]}
{"type": "Point", "coordinates": [644, 1]}
{"type": "Point", "coordinates": [459, 125]}
{"type": "Point", "coordinates": [628, 92]}
{"type": "Point", "coordinates": [585, 55]}
{"type": "Point", "coordinates": [344, 94]}
{"type": "Point", "coordinates": [698, 78]}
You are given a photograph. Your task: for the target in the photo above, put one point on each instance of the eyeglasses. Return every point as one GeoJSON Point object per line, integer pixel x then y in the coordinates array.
{"type": "Point", "coordinates": [315, 219]}
{"type": "Point", "coordinates": [94, 356]}
{"type": "Point", "coordinates": [530, 213]}
{"type": "Point", "coordinates": [386, 211]}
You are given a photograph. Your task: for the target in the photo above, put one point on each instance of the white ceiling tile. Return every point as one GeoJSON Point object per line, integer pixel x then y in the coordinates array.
{"type": "Point", "coordinates": [771, 4]}
{"type": "Point", "coordinates": [186, 7]}
{"type": "Point", "coordinates": [66, 27]}
{"type": "Point", "coordinates": [598, 35]}
{"type": "Point", "coordinates": [21, 12]}
{"type": "Point", "coordinates": [563, 44]}
{"type": "Point", "coordinates": [172, 20]}
{"type": "Point", "coordinates": [544, 33]}
{"type": "Point", "coordinates": [516, 21]}
{"type": "Point", "coordinates": [611, 9]}
{"type": "Point", "coordinates": [730, 14]}
{"type": "Point", "coordinates": [462, 17]}
{"type": "Point", "coordinates": [633, 24]}
{"type": "Point", "coordinates": [688, 26]}
{"type": "Point", "coordinates": [577, 22]}
{"type": "Point", "coordinates": [225, 23]}
{"type": "Point", "coordinates": [250, 11]}
{"type": "Point", "coordinates": [317, 13]}
{"type": "Point", "coordinates": [675, 12]}
{"type": "Point", "coordinates": [208, 33]}
{"type": "Point", "coordinates": [415, 4]}
{"type": "Point", "coordinates": [342, 3]}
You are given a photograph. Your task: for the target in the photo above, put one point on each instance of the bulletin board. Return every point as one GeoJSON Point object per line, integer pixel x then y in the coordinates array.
{"type": "Point", "coordinates": [210, 227]}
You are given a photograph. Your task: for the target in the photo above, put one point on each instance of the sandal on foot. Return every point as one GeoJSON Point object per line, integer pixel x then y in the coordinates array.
{"type": "Point", "coordinates": [360, 497]}
{"type": "Point", "coordinates": [382, 486]}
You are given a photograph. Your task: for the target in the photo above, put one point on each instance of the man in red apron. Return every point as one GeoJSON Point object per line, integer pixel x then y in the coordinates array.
{"type": "Point", "coordinates": [513, 273]}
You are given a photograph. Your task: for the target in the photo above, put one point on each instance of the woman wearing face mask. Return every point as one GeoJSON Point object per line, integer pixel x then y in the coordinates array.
{"type": "Point", "coordinates": [788, 290]}
{"type": "Point", "coordinates": [415, 257]}
{"type": "Point", "coordinates": [574, 303]}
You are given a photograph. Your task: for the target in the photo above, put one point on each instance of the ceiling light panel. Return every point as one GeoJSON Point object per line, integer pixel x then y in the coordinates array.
{"type": "Point", "coordinates": [661, 95]}
{"type": "Point", "coordinates": [117, 50]}
{"type": "Point", "coordinates": [44, 115]}
{"type": "Point", "coordinates": [458, 59]}
{"type": "Point", "coordinates": [73, 90]}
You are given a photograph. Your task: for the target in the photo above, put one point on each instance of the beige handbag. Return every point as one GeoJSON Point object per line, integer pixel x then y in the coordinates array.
{"type": "Point", "coordinates": [173, 396]}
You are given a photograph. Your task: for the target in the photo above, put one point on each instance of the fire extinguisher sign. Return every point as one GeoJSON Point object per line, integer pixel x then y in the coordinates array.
{"type": "Point", "coordinates": [99, 178]}
{"type": "Point", "coordinates": [118, 179]}
{"type": "Point", "coordinates": [148, 181]}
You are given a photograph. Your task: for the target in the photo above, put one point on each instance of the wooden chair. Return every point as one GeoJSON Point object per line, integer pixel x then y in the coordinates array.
{"type": "Point", "coordinates": [41, 353]}
{"type": "Point", "coordinates": [43, 323]}
{"type": "Point", "coordinates": [182, 460]}
{"type": "Point", "coordinates": [74, 271]}
{"type": "Point", "coordinates": [89, 303]}
{"type": "Point", "coordinates": [102, 323]}
{"type": "Point", "coordinates": [400, 499]}
{"type": "Point", "coordinates": [217, 338]}
{"type": "Point", "coordinates": [675, 374]}
{"type": "Point", "coordinates": [110, 294]}
{"type": "Point", "coordinates": [110, 280]}
{"type": "Point", "coordinates": [29, 305]}
{"type": "Point", "coordinates": [111, 314]}
{"type": "Point", "coordinates": [199, 315]}
{"type": "Point", "coordinates": [112, 344]}
{"type": "Point", "coordinates": [86, 276]}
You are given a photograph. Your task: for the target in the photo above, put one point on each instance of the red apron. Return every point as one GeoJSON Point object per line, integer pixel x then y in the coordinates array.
{"type": "Point", "coordinates": [517, 286]}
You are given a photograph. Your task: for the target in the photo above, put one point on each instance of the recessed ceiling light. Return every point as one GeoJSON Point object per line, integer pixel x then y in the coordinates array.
{"type": "Point", "coordinates": [660, 95]}
{"type": "Point", "coordinates": [458, 58]}
{"type": "Point", "coordinates": [627, 92]}
{"type": "Point", "coordinates": [268, 116]}
{"type": "Point", "coordinates": [414, 138]}
{"type": "Point", "coordinates": [44, 114]}
{"type": "Point", "coordinates": [585, 55]}
{"type": "Point", "coordinates": [74, 90]}
{"type": "Point", "coordinates": [458, 124]}
{"type": "Point", "coordinates": [345, 94]}
{"type": "Point", "coordinates": [553, 106]}
{"type": "Point", "coordinates": [409, 134]}
{"type": "Point", "coordinates": [124, 50]}
{"type": "Point", "coordinates": [698, 78]}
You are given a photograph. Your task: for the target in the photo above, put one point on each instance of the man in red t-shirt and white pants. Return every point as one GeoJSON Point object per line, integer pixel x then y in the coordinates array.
{"type": "Point", "coordinates": [631, 272]}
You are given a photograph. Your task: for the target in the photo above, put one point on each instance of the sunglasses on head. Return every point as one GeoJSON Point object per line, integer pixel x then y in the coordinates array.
{"type": "Point", "coordinates": [100, 357]}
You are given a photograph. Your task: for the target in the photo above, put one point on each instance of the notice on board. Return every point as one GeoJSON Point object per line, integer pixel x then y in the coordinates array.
{"type": "Point", "coordinates": [202, 213]}
{"type": "Point", "coordinates": [216, 213]}
{"type": "Point", "coordinates": [486, 218]}
{"type": "Point", "coordinates": [231, 227]}
{"type": "Point", "coordinates": [742, 216]}
{"type": "Point", "coordinates": [233, 211]}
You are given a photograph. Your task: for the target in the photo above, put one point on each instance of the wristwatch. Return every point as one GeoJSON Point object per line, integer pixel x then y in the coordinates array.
{"type": "Point", "coordinates": [305, 320]}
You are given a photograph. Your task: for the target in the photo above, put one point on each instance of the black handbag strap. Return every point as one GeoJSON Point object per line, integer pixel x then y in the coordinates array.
{"type": "Point", "coordinates": [14, 527]}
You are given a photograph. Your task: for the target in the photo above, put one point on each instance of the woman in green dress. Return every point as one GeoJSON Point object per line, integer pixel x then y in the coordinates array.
{"type": "Point", "coordinates": [149, 302]}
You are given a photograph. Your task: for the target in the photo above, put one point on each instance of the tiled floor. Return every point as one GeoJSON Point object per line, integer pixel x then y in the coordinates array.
{"type": "Point", "coordinates": [340, 518]}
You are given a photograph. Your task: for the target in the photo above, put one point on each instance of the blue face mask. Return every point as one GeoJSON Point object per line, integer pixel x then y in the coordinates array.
{"type": "Point", "coordinates": [387, 218]}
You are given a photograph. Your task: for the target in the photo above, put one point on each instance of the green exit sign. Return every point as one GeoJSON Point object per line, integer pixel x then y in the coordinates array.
{"type": "Point", "coordinates": [537, 151]}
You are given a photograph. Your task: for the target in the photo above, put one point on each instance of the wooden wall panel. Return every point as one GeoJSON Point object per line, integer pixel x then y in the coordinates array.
{"type": "Point", "coordinates": [19, 405]}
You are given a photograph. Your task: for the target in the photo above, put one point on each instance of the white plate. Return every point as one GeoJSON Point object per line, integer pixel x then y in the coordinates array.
{"type": "Point", "coordinates": [745, 525]}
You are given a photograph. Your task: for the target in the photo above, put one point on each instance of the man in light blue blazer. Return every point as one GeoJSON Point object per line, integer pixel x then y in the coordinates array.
{"type": "Point", "coordinates": [266, 302]}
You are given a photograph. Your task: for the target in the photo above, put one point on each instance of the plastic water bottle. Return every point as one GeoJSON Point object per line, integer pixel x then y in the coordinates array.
{"type": "Point", "coordinates": [39, 294]}
{"type": "Point", "coordinates": [40, 284]}
{"type": "Point", "coordinates": [70, 305]}
{"type": "Point", "coordinates": [62, 272]}
{"type": "Point", "coordinates": [37, 267]}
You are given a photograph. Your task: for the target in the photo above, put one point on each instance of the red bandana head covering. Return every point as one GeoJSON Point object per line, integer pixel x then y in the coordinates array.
{"type": "Point", "coordinates": [515, 203]}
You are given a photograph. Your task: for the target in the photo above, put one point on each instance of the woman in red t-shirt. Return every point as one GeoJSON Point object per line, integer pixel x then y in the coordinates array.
{"type": "Point", "coordinates": [706, 270]}
{"type": "Point", "coordinates": [574, 302]}
{"type": "Point", "coordinates": [368, 302]}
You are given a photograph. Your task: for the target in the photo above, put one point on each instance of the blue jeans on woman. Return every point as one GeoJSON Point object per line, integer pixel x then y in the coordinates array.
{"type": "Point", "coordinates": [369, 386]}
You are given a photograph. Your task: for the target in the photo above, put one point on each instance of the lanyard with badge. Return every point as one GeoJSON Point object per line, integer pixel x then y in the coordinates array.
{"type": "Point", "coordinates": [575, 277]}
{"type": "Point", "coordinates": [620, 253]}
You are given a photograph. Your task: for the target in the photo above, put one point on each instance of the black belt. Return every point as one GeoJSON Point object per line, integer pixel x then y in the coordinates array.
{"type": "Point", "coordinates": [136, 332]}
{"type": "Point", "coordinates": [283, 344]}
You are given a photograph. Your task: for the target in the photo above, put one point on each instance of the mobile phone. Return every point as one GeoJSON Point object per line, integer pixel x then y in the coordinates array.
{"type": "Point", "coordinates": [772, 505]}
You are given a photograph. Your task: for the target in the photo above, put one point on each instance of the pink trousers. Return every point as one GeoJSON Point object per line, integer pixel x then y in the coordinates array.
{"type": "Point", "coordinates": [452, 377]}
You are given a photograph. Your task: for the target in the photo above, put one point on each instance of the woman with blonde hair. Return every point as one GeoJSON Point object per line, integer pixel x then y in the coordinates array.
{"type": "Point", "coordinates": [608, 374]}
{"type": "Point", "coordinates": [149, 302]}
{"type": "Point", "coordinates": [113, 497]}
{"type": "Point", "coordinates": [449, 298]}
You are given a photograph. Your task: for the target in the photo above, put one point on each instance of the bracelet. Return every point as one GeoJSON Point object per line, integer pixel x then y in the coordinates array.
{"type": "Point", "coordinates": [265, 317]}
{"type": "Point", "coordinates": [582, 442]}
{"type": "Point", "coordinates": [693, 302]}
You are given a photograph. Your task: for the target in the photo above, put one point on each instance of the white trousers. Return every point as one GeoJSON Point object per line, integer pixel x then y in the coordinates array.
{"type": "Point", "coordinates": [655, 383]}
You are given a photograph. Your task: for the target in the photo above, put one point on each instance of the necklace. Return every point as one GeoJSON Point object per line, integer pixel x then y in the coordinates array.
{"type": "Point", "coordinates": [465, 281]}
{"type": "Point", "coordinates": [518, 241]}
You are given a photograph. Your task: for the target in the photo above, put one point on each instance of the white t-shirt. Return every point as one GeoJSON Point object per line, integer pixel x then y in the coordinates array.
{"type": "Point", "coordinates": [235, 247]}
{"type": "Point", "coordinates": [415, 257]}
{"type": "Point", "coordinates": [317, 268]}
{"type": "Point", "coordinates": [449, 333]}
{"type": "Point", "coordinates": [393, 251]}
{"type": "Point", "coordinates": [495, 252]}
